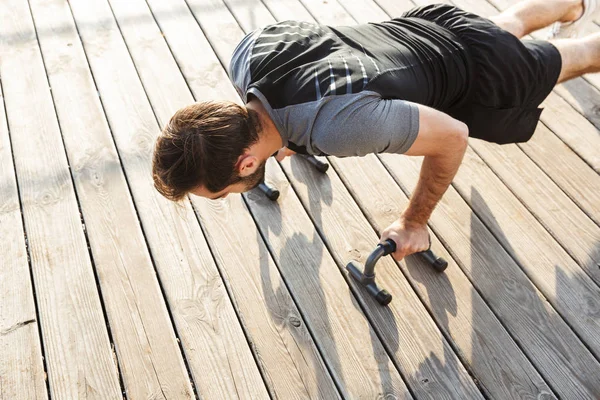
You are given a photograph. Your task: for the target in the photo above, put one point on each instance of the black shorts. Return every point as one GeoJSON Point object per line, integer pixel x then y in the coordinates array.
{"type": "Point", "coordinates": [510, 77]}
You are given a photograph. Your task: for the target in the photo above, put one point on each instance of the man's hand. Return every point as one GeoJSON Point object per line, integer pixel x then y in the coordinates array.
{"type": "Point", "coordinates": [283, 153]}
{"type": "Point", "coordinates": [409, 238]}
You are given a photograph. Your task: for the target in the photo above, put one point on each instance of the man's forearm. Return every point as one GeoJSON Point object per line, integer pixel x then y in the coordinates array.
{"type": "Point", "coordinates": [436, 175]}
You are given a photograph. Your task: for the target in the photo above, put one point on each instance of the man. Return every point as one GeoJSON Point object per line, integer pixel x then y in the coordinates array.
{"type": "Point", "coordinates": [417, 85]}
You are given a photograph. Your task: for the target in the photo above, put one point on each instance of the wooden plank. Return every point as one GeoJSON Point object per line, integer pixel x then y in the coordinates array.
{"type": "Point", "coordinates": [593, 79]}
{"type": "Point", "coordinates": [583, 97]}
{"type": "Point", "coordinates": [288, 357]}
{"type": "Point", "coordinates": [281, 337]}
{"type": "Point", "coordinates": [567, 224]}
{"type": "Point", "coordinates": [212, 338]}
{"type": "Point", "coordinates": [556, 351]}
{"type": "Point", "coordinates": [573, 129]}
{"type": "Point", "coordinates": [537, 252]}
{"type": "Point", "coordinates": [470, 313]}
{"type": "Point", "coordinates": [336, 325]}
{"type": "Point", "coordinates": [328, 11]}
{"type": "Point", "coordinates": [21, 368]}
{"type": "Point", "coordinates": [360, 367]}
{"type": "Point", "coordinates": [416, 345]}
{"type": "Point", "coordinates": [77, 349]}
{"type": "Point", "coordinates": [148, 353]}
{"type": "Point", "coordinates": [500, 367]}
{"type": "Point", "coordinates": [265, 335]}
{"type": "Point", "coordinates": [570, 173]}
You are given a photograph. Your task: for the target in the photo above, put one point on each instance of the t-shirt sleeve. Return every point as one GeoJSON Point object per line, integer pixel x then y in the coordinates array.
{"type": "Point", "coordinates": [357, 125]}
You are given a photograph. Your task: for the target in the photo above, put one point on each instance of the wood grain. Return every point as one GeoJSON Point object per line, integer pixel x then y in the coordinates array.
{"type": "Point", "coordinates": [145, 342]}
{"type": "Point", "coordinates": [212, 338]}
{"type": "Point", "coordinates": [77, 349]}
{"type": "Point", "coordinates": [286, 353]}
{"type": "Point", "coordinates": [567, 224]}
{"type": "Point", "coordinates": [499, 365]}
{"type": "Point", "coordinates": [21, 368]}
{"type": "Point", "coordinates": [280, 334]}
{"type": "Point", "coordinates": [573, 129]}
{"type": "Point", "coordinates": [583, 97]}
{"type": "Point", "coordinates": [551, 345]}
{"type": "Point", "coordinates": [551, 269]}
{"type": "Point", "coordinates": [264, 312]}
{"type": "Point", "coordinates": [580, 182]}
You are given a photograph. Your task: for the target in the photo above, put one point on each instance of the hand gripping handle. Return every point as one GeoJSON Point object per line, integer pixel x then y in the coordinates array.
{"type": "Point", "coordinates": [438, 263]}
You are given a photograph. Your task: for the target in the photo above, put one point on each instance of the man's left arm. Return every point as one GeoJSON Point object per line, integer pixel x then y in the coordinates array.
{"type": "Point", "coordinates": [443, 141]}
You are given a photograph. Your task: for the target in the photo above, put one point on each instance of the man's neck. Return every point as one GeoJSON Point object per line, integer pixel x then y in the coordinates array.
{"type": "Point", "coordinates": [269, 137]}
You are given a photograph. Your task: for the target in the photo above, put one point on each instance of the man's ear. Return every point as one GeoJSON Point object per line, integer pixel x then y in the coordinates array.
{"type": "Point", "coordinates": [247, 164]}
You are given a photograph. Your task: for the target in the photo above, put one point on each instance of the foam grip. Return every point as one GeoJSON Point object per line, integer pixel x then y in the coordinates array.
{"type": "Point", "coordinates": [389, 246]}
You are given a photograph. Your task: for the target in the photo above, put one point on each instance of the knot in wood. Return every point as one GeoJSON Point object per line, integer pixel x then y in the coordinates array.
{"type": "Point", "coordinates": [295, 321]}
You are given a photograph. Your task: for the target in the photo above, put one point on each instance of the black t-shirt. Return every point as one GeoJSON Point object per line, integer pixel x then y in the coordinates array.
{"type": "Point", "coordinates": [351, 90]}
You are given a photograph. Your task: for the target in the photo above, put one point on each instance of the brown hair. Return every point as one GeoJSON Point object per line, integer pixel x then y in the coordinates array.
{"type": "Point", "coordinates": [200, 146]}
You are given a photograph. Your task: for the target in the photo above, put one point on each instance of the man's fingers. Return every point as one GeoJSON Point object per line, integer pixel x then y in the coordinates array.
{"type": "Point", "coordinates": [407, 250]}
{"type": "Point", "coordinates": [398, 256]}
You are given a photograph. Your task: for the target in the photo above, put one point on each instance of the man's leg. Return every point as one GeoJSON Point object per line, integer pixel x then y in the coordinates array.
{"type": "Point", "coordinates": [525, 17]}
{"type": "Point", "coordinates": [579, 56]}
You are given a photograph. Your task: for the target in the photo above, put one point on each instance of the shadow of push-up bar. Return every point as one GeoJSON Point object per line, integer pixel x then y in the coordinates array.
{"type": "Point", "coordinates": [367, 276]}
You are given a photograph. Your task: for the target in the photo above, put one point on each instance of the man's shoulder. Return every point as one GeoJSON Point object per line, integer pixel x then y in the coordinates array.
{"type": "Point", "coordinates": [239, 66]}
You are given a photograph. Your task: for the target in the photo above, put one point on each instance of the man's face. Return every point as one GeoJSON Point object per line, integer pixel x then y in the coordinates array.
{"type": "Point", "coordinates": [245, 184]}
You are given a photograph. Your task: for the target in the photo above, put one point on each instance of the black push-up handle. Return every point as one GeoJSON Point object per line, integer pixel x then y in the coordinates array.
{"type": "Point", "coordinates": [321, 166]}
{"type": "Point", "coordinates": [273, 194]}
{"type": "Point", "coordinates": [367, 277]}
{"type": "Point", "coordinates": [438, 263]}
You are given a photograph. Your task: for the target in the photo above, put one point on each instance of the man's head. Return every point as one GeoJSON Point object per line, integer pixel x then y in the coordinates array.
{"type": "Point", "coordinates": [204, 150]}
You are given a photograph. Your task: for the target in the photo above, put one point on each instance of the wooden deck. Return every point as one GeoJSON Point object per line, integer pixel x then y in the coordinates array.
{"type": "Point", "coordinates": [107, 290]}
